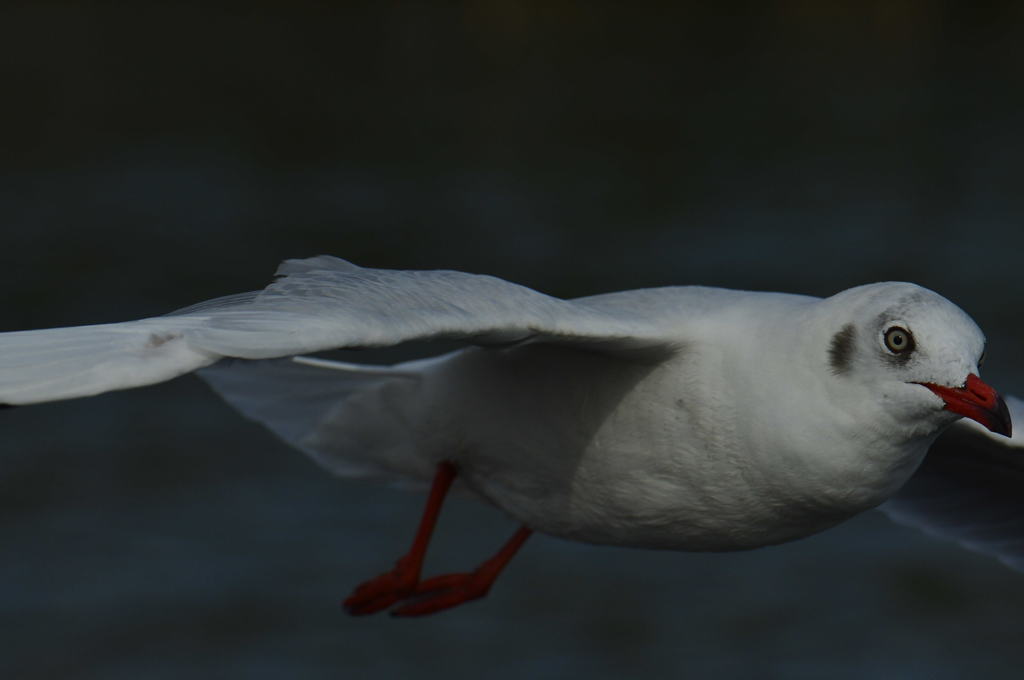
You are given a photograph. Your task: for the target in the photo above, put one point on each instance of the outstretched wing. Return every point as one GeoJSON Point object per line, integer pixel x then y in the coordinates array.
{"type": "Point", "coordinates": [970, 489]}
{"type": "Point", "coordinates": [317, 304]}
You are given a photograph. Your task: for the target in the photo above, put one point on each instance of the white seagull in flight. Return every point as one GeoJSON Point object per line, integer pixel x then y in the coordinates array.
{"type": "Point", "coordinates": [683, 418]}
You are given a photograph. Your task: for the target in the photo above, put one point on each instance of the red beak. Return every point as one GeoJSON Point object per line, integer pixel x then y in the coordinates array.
{"type": "Point", "coordinates": [977, 401]}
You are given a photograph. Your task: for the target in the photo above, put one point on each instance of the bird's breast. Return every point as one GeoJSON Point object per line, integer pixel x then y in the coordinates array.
{"type": "Point", "coordinates": [596, 449]}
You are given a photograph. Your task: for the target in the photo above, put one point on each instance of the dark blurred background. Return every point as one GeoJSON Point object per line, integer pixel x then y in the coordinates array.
{"type": "Point", "coordinates": [157, 154]}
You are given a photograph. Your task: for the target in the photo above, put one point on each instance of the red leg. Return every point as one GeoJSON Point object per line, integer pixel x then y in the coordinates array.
{"type": "Point", "coordinates": [443, 592]}
{"type": "Point", "coordinates": [384, 590]}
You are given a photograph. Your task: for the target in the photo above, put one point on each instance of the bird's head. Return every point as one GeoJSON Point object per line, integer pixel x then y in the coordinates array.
{"type": "Point", "coordinates": [913, 351]}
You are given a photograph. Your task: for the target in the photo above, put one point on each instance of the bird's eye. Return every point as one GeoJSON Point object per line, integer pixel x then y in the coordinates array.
{"type": "Point", "coordinates": [898, 340]}
{"type": "Point", "coordinates": [981, 359]}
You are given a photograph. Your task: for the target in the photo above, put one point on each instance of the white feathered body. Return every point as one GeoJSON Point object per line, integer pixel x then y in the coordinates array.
{"type": "Point", "coordinates": [626, 451]}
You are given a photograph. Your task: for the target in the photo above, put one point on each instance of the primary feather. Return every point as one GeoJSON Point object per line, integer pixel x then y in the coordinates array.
{"type": "Point", "coordinates": [970, 489]}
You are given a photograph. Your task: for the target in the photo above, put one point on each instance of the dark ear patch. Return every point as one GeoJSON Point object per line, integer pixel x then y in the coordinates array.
{"type": "Point", "coordinates": [840, 351]}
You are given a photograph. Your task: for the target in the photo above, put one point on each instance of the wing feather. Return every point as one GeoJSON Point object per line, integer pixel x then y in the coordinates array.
{"type": "Point", "coordinates": [969, 489]}
{"type": "Point", "coordinates": [311, 310]}
{"type": "Point", "coordinates": [316, 304]}
{"type": "Point", "coordinates": [64, 363]}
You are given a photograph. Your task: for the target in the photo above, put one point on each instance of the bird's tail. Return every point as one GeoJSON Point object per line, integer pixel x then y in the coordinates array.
{"type": "Point", "coordinates": [355, 420]}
